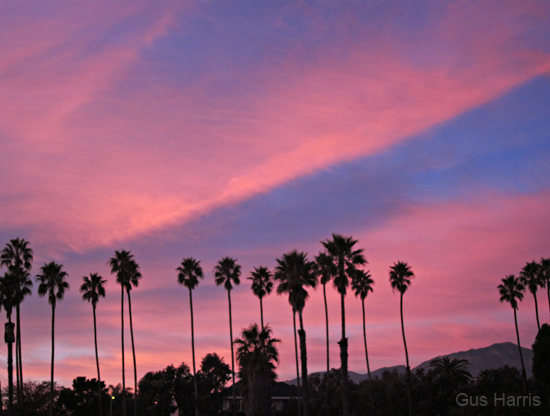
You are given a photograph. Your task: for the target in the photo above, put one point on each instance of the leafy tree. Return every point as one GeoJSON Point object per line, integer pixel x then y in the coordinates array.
{"type": "Point", "coordinates": [93, 288]}
{"type": "Point", "coordinates": [261, 286]}
{"type": "Point", "coordinates": [82, 399]}
{"type": "Point", "coordinates": [213, 376]}
{"type": "Point", "coordinates": [227, 272]}
{"type": "Point", "coordinates": [257, 354]}
{"type": "Point", "coordinates": [346, 259]}
{"type": "Point", "coordinates": [511, 290]}
{"type": "Point", "coordinates": [541, 358]}
{"type": "Point", "coordinates": [157, 392]}
{"type": "Point", "coordinates": [294, 272]}
{"type": "Point", "coordinates": [400, 279]}
{"type": "Point", "coordinates": [530, 276]}
{"type": "Point", "coordinates": [52, 283]}
{"type": "Point", "coordinates": [189, 274]}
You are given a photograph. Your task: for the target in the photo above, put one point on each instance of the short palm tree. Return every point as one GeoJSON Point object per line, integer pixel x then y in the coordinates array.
{"type": "Point", "coordinates": [457, 368]}
{"type": "Point", "coordinates": [511, 290]}
{"type": "Point", "coordinates": [530, 277]}
{"type": "Point", "coordinates": [17, 256]}
{"type": "Point", "coordinates": [227, 273]}
{"type": "Point", "coordinates": [362, 284]}
{"type": "Point", "coordinates": [257, 355]}
{"type": "Point", "coordinates": [8, 288]}
{"type": "Point", "coordinates": [545, 276]}
{"type": "Point", "coordinates": [261, 286]}
{"type": "Point", "coordinates": [92, 289]}
{"type": "Point", "coordinates": [400, 280]}
{"type": "Point", "coordinates": [189, 274]}
{"type": "Point", "coordinates": [346, 258]}
{"type": "Point", "coordinates": [52, 283]}
{"type": "Point", "coordinates": [127, 275]}
{"type": "Point", "coordinates": [294, 272]}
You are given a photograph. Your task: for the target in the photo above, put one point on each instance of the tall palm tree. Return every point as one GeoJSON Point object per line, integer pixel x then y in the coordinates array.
{"type": "Point", "coordinates": [511, 290]}
{"type": "Point", "coordinates": [127, 272]}
{"type": "Point", "coordinates": [257, 355]}
{"type": "Point", "coordinates": [545, 276]}
{"type": "Point", "coordinates": [93, 288]}
{"type": "Point", "coordinates": [325, 269]}
{"type": "Point", "coordinates": [400, 279]}
{"type": "Point", "coordinates": [346, 258]}
{"type": "Point", "coordinates": [17, 256]}
{"type": "Point", "coordinates": [362, 284]}
{"type": "Point", "coordinates": [294, 272]}
{"type": "Point", "coordinates": [227, 273]}
{"type": "Point", "coordinates": [189, 274]}
{"type": "Point", "coordinates": [261, 286]}
{"type": "Point", "coordinates": [52, 283]}
{"type": "Point", "coordinates": [8, 288]}
{"type": "Point", "coordinates": [530, 277]}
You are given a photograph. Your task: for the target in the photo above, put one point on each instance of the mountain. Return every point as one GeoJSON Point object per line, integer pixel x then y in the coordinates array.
{"type": "Point", "coordinates": [495, 356]}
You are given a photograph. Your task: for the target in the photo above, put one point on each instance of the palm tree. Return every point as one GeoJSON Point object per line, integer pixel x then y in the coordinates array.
{"type": "Point", "coordinates": [545, 276]}
{"type": "Point", "coordinates": [345, 258]}
{"type": "Point", "coordinates": [52, 283]}
{"type": "Point", "coordinates": [127, 274]}
{"type": "Point", "coordinates": [400, 279]}
{"type": "Point", "coordinates": [227, 273]}
{"type": "Point", "coordinates": [511, 290]}
{"type": "Point", "coordinates": [325, 269]}
{"type": "Point", "coordinates": [189, 274]}
{"type": "Point", "coordinates": [93, 288]}
{"type": "Point", "coordinates": [17, 256]}
{"type": "Point", "coordinates": [8, 287]}
{"type": "Point", "coordinates": [456, 368]}
{"type": "Point", "coordinates": [257, 355]}
{"type": "Point", "coordinates": [530, 276]}
{"type": "Point", "coordinates": [261, 286]}
{"type": "Point", "coordinates": [293, 272]}
{"type": "Point", "coordinates": [362, 284]}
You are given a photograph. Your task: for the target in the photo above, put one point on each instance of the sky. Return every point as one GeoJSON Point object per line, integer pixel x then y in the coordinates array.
{"type": "Point", "coordinates": [248, 129]}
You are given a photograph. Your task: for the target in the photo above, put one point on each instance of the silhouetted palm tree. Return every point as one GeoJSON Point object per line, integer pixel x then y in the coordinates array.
{"type": "Point", "coordinates": [457, 368]}
{"type": "Point", "coordinates": [345, 259]}
{"type": "Point", "coordinates": [511, 290]}
{"type": "Point", "coordinates": [8, 288]}
{"type": "Point", "coordinates": [127, 273]}
{"type": "Point", "coordinates": [227, 273]}
{"type": "Point", "coordinates": [189, 274]}
{"type": "Point", "coordinates": [400, 279]}
{"type": "Point", "coordinates": [530, 276]}
{"type": "Point", "coordinates": [52, 283]}
{"type": "Point", "coordinates": [325, 269]}
{"type": "Point", "coordinates": [362, 284]}
{"type": "Point", "coordinates": [93, 288]}
{"type": "Point", "coordinates": [17, 256]}
{"type": "Point", "coordinates": [261, 286]}
{"type": "Point", "coordinates": [545, 276]}
{"type": "Point", "coordinates": [257, 354]}
{"type": "Point", "coordinates": [294, 272]}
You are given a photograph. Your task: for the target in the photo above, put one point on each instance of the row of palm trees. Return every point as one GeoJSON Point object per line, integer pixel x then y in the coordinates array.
{"type": "Point", "coordinates": [533, 276]}
{"type": "Point", "coordinates": [339, 261]}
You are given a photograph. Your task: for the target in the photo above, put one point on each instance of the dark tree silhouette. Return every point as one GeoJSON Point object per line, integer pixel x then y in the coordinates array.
{"type": "Point", "coordinates": [189, 274]}
{"type": "Point", "coordinates": [545, 276]}
{"type": "Point", "coordinates": [346, 258]}
{"type": "Point", "coordinates": [261, 286]}
{"type": "Point", "coordinates": [92, 289]}
{"type": "Point", "coordinates": [530, 277]}
{"type": "Point", "coordinates": [400, 279]}
{"type": "Point", "coordinates": [293, 273]}
{"type": "Point", "coordinates": [541, 358]}
{"type": "Point", "coordinates": [52, 283]}
{"type": "Point", "coordinates": [511, 290]}
{"type": "Point", "coordinates": [456, 368]}
{"type": "Point", "coordinates": [227, 272]}
{"type": "Point", "coordinates": [8, 288]}
{"type": "Point", "coordinates": [257, 354]}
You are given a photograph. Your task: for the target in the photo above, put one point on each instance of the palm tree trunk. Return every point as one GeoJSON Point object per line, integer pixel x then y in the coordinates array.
{"type": "Point", "coordinates": [53, 355]}
{"type": "Point", "coordinates": [326, 321]}
{"type": "Point", "coordinates": [367, 357]}
{"type": "Point", "coordinates": [523, 374]}
{"type": "Point", "coordinates": [10, 372]}
{"type": "Point", "coordinates": [21, 398]}
{"type": "Point", "coordinates": [97, 364]}
{"type": "Point", "coordinates": [303, 354]}
{"type": "Point", "coordinates": [232, 355]}
{"type": "Point", "coordinates": [18, 390]}
{"type": "Point", "coordinates": [193, 352]}
{"type": "Point", "coordinates": [344, 361]}
{"type": "Point", "coordinates": [262, 313]}
{"type": "Point", "coordinates": [297, 365]}
{"type": "Point", "coordinates": [133, 353]}
{"type": "Point", "coordinates": [122, 326]}
{"type": "Point", "coordinates": [537, 310]}
{"type": "Point", "coordinates": [408, 368]}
